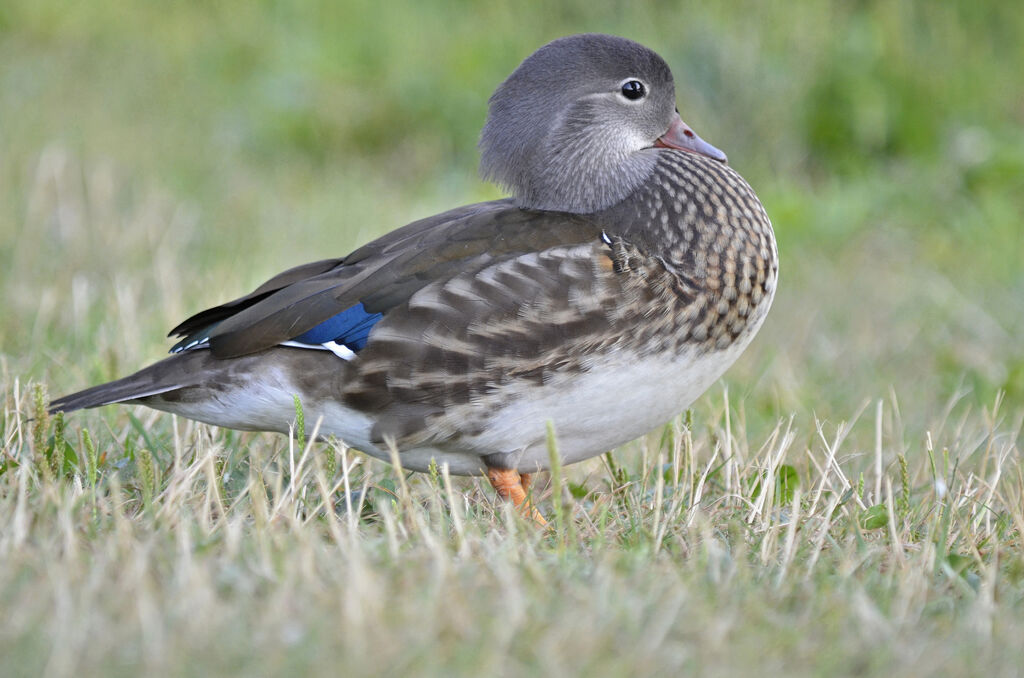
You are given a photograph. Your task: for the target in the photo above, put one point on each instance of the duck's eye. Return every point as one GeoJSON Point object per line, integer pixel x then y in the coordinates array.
{"type": "Point", "coordinates": [633, 90]}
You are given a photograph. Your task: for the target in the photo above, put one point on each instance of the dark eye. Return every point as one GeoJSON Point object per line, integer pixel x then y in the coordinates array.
{"type": "Point", "coordinates": [633, 90]}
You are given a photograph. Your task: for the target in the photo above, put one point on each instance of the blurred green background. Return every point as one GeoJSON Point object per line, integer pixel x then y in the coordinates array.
{"type": "Point", "coordinates": [158, 158]}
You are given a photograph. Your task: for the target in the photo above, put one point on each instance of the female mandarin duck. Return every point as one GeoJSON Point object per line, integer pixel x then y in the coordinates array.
{"type": "Point", "coordinates": [628, 270]}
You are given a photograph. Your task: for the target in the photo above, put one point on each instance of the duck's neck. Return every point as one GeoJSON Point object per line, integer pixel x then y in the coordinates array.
{"type": "Point", "coordinates": [588, 172]}
{"type": "Point", "coordinates": [584, 183]}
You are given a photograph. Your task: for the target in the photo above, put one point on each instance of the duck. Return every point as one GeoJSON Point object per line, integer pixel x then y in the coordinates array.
{"type": "Point", "coordinates": [627, 269]}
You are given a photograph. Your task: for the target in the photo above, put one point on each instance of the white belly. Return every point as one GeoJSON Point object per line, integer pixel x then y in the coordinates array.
{"type": "Point", "coordinates": [600, 410]}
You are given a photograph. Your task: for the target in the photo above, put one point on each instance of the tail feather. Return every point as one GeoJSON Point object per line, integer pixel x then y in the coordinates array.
{"type": "Point", "coordinates": [162, 377]}
{"type": "Point", "coordinates": [252, 393]}
{"type": "Point", "coordinates": [120, 391]}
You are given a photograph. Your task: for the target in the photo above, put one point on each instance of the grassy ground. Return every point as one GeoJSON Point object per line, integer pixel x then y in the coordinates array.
{"type": "Point", "coordinates": [850, 500]}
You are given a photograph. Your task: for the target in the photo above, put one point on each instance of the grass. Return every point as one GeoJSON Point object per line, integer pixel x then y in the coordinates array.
{"type": "Point", "coordinates": [701, 551]}
{"type": "Point", "coordinates": [849, 500]}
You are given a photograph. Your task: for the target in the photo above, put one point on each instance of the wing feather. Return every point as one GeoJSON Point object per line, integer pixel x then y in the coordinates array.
{"type": "Point", "coordinates": [384, 273]}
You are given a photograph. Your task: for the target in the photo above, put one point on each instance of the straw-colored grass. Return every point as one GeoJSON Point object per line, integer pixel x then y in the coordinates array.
{"type": "Point", "coordinates": [793, 554]}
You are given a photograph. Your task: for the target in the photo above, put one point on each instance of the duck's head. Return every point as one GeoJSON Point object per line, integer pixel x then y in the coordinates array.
{"type": "Point", "coordinates": [577, 125]}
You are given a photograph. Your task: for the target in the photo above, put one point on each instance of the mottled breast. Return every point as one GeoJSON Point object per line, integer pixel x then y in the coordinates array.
{"type": "Point", "coordinates": [704, 224]}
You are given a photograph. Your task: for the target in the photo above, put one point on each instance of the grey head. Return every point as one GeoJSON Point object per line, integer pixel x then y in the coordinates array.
{"type": "Point", "coordinates": [576, 126]}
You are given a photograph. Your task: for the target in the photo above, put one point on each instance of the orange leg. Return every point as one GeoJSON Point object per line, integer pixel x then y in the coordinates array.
{"type": "Point", "coordinates": [513, 487]}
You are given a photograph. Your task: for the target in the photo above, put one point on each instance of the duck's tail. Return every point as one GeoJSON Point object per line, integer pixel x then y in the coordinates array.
{"type": "Point", "coordinates": [168, 375]}
{"type": "Point", "coordinates": [252, 393]}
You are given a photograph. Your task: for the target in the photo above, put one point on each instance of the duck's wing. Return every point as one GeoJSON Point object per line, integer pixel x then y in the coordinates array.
{"type": "Point", "coordinates": [380, 275]}
{"type": "Point", "coordinates": [211, 316]}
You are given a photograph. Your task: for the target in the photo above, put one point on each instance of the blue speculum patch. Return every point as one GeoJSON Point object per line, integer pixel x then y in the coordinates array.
{"type": "Point", "coordinates": [349, 328]}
